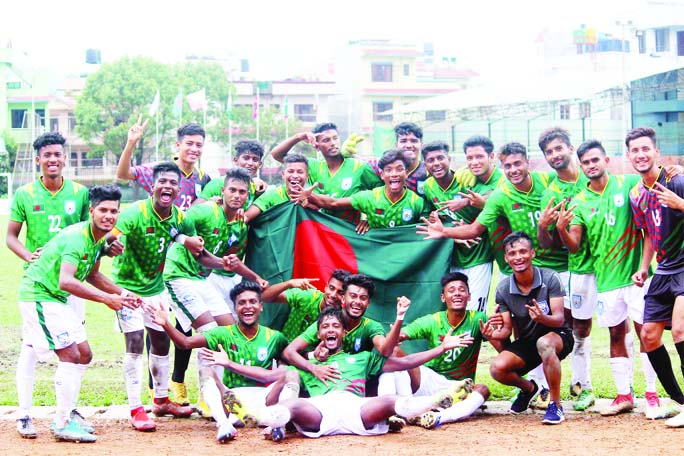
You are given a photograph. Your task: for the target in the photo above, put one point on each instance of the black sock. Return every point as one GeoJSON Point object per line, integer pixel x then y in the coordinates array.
{"type": "Point", "coordinates": [660, 360]}
{"type": "Point", "coordinates": [181, 359]}
{"type": "Point", "coordinates": [680, 349]}
{"type": "Point", "coordinates": [148, 345]}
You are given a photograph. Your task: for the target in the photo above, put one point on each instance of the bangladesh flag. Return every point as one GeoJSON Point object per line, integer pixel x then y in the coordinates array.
{"type": "Point", "coordinates": [290, 241]}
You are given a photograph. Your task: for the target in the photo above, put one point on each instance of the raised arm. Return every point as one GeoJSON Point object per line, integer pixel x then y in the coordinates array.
{"type": "Point", "coordinates": [279, 151]}
{"type": "Point", "coordinates": [161, 317]}
{"type": "Point", "coordinates": [417, 359]}
{"type": "Point", "coordinates": [123, 170]}
{"type": "Point", "coordinates": [385, 344]}
{"type": "Point", "coordinates": [276, 293]}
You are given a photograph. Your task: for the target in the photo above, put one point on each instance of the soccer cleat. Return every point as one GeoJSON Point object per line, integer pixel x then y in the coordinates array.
{"type": "Point", "coordinates": [141, 422]}
{"type": "Point", "coordinates": [576, 389]}
{"type": "Point", "coordinates": [585, 400]}
{"type": "Point", "coordinates": [226, 432]}
{"type": "Point", "coordinates": [72, 432]}
{"type": "Point", "coordinates": [522, 401]}
{"type": "Point", "coordinates": [652, 401]}
{"type": "Point", "coordinates": [203, 409]}
{"type": "Point", "coordinates": [171, 408]}
{"type": "Point", "coordinates": [236, 407]}
{"type": "Point", "coordinates": [668, 410]}
{"type": "Point", "coordinates": [461, 389]}
{"type": "Point", "coordinates": [82, 422]}
{"type": "Point", "coordinates": [622, 403]}
{"type": "Point", "coordinates": [278, 434]}
{"type": "Point", "coordinates": [543, 399]}
{"type": "Point", "coordinates": [676, 421]}
{"type": "Point", "coordinates": [25, 428]}
{"type": "Point", "coordinates": [396, 423]}
{"type": "Point", "coordinates": [180, 393]}
{"type": "Point", "coordinates": [430, 420]}
{"type": "Point", "coordinates": [554, 414]}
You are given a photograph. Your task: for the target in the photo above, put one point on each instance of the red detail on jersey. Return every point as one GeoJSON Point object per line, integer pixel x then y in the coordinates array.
{"type": "Point", "coordinates": [516, 206]}
{"type": "Point", "coordinates": [435, 199]}
{"type": "Point", "coordinates": [319, 250]}
{"type": "Point", "coordinates": [150, 230]}
{"type": "Point", "coordinates": [85, 257]}
{"type": "Point", "coordinates": [216, 231]}
{"type": "Point", "coordinates": [379, 211]}
{"type": "Point", "coordinates": [38, 208]}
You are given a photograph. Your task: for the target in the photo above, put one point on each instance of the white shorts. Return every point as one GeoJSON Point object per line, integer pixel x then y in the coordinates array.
{"type": "Point", "coordinates": [479, 280]}
{"type": "Point", "coordinates": [614, 306]}
{"type": "Point", "coordinates": [78, 304]}
{"type": "Point", "coordinates": [252, 397]}
{"type": "Point", "coordinates": [130, 320]}
{"type": "Point", "coordinates": [192, 298]}
{"type": "Point", "coordinates": [224, 284]}
{"type": "Point", "coordinates": [432, 383]}
{"type": "Point", "coordinates": [583, 295]}
{"type": "Point", "coordinates": [341, 412]}
{"type": "Point", "coordinates": [565, 281]}
{"type": "Point", "coordinates": [50, 326]}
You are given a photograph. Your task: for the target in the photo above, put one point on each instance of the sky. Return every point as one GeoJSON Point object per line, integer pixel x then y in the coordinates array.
{"type": "Point", "coordinates": [297, 37]}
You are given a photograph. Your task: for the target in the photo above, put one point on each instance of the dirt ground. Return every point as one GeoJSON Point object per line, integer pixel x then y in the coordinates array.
{"type": "Point", "coordinates": [486, 435]}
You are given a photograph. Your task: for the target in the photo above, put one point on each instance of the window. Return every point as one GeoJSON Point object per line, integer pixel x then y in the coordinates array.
{"type": "Point", "coordinates": [641, 37]}
{"type": "Point", "coordinates": [54, 124]}
{"type": "Point", "coordinates": [564, 111]}
{"type": "Point", "coordinates": [381, 72]}
{"type": "Point", "coordinates": [72, 123]}
{"type": "Point", "coordinates": [379, 108]}
{"type": "Point", "coordinates": [435, 116]}
{"type": "Point", "coordinates": [662, 40]}
{"type": "Point", "coordinates": [407, 69]}
{"type": "Point", "coordinates": [305, 112]}
{"type": "Point", "coordinates": [19, 118]}
{"type": "Point", "coordinates": [14, 85]}
{"type": "Point", "coordinates": [585, 110]}
{"type": "Point", "coordinates": [41, 115]}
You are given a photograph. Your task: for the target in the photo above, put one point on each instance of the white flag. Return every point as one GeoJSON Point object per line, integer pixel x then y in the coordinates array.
{"type": "Point", "coordinates": [154, 107]}
{"type": "Point", "coordinates": [197, 100]}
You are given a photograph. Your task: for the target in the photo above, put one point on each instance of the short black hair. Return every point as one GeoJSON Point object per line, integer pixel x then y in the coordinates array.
{"type": "Point", "coordinates": [640, 132]}
{"type": "Point", "coordinates": [190, 129]}
{"type": "Point", "coordinates": [452, 277]}
{"type": "Point", "coordinates": [48, 139]}
{"type": "Point", "coordinates": [516, 236]}
{"type": "Point", "coordinates": [435, 146]}
{"type": "Point", "coordinates": [295, 158]}
{"type": "Point", "coordinates": [590, 144]}
{"type": "Point", "coordinates": [392, 155]}
{"type": "Point", "coordinates": [165, 167]}
{"type": "Point", "coordinates": [550, 134]}
{"type": "Point", "coordinates": [512, 148]}
{"type": "Point", "coordinates": [479, 140]}
{"type": "Point", "coordinates": [100, 193]}
{"type": "Point", "coordinates": [239, 174]}
{"type": "Point", "coordinates": [245, 285]}
{"type": "Point", "coordinates": [249, 146]}
{"type": "Point", "coordinates": [334, 312]}
{"type": "Point", "coordinates": [340, 274]}
{"type": "Point", "coordinates": [360, 280]}
{"type": "Point", "coordinates": [321, 127]}
{"type": "Point", "coordinates": [405, 128]}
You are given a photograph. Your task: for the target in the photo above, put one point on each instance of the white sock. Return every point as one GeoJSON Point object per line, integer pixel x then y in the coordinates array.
{"type": "Point", "coordinates": [537, 374]}
{"type": "Point", "coordinates": [212, 397]}
{"type": "Point", "coordinates": [81, 372]}
{"type": "Point", "coordinates": [133, 372]}
{"type": "Point", "coordinates": [649, 373]}
{"type": "Point", "coordinates": [386, 384]}
{"type": "Point", "coordinates": [159, 367]}
{"type": "Point", "coordinates": [402, 383]}
{"type": "Point", "coordinates": [581, 362]}
{"type": "Point", "coordinates": [413, 406]}
{"type": "Point", "coordinates": [462, 408]}
{"type": "Point", "coordinates": [289, 391]}
{"type": "Point", "coordinates": [66, 379]}
{"type": "Point", "coordinates": [274, 416]}
{"type": "Point", "coordinates": [621, 371]}
{"type": "Point", "coordinates": [26, 377]}
{"type": "Point", "coordinates": [629, 344]}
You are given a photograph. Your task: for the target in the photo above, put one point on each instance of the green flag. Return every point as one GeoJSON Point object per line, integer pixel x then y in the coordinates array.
{"type": "Point", "coordinates": [290, 241]}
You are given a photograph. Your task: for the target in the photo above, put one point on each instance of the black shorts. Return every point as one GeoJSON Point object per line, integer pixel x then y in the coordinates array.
{"type": "Point", "coordinates": [660, 297]}
{"type": "Point", "coordinates": [526, 349]}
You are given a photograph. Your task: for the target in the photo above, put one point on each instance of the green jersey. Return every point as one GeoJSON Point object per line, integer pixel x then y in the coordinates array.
{"type": "Point", "coordinates": [260, 350]}
{"type": "Point", "coordinates": [215, 188]}
{"type": "Point", "coordinates": [74, 245]}
{"type": "Point", "coordinates": [355, 340]}
{"type": "Point", "coordinates": [46, 214]}
{"type": "Point", "coordinates": [351, 177]}
{"type": "Point", "coordinates": [146, 237]}
{"type": "Point", "coordinates": [581, 261]}
{"type": "Point", "coordinates": [221, 238]}
{"type": "Point", "coordinates": [457, 363]}
{"type": "Point", "coordinates": [614, 240]}
{"type": "Point", "coordinates": [383, 213]}
{"type": "Point", "coordinates": [354, 370]}
{"type": "Point", "coordinates": [305, 305]}
{"type": "Point", "coordinates": [522, 210]}
{"type": "Point", "coordinates": [272, 198]}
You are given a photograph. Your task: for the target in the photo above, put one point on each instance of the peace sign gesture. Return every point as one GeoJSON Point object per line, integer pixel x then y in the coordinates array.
{"type": "Point", "coordinates": [137, 129]}
{"type": "Point", "coordinates": [565, 216]}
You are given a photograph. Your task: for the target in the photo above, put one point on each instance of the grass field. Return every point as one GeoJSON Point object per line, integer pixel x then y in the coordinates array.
{"type": "Point", "coordinates": [103, 382]}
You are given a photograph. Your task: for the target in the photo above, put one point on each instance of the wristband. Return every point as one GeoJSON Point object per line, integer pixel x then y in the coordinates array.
{"type": "Point", "coordinates": [400, 317]}
{"type": "Point", "coordinates": [181, 239]}
{"type": "Point", "coordinates": [124, 293]}
{"type": "Point", "coordinates": [311, 355]}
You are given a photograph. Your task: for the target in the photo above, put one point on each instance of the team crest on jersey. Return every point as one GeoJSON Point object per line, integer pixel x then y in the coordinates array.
{"type": "Point", "coordinates": [544, 306]}
{"type": "Point", "coordinates": [70, 207]}
{"type": "Point", "coordinates": [64, 339]}
{"type": "Point", "coordinates": [350, 359]}
{"type": "Point", "coordinates": [420, 187]}
{"type": "Point", "coordinates": [232, 239]}
{"type": "Point", "coordinates": [407, 214]}
{"type": "Point", "coordinates": [346, 183]}
{"type": "Point", "coordinates": [357, 344]}
{"type": "Point", "coordinates": [198, 189]}
{"type": "Point", "coordinates": [262, 352]}
{"type": "Point", "coordinates": [576, 301]}
{"type": "Point", "coordinates": [619, 200]}
{"type": "Point", "coordinates": [173, 232]}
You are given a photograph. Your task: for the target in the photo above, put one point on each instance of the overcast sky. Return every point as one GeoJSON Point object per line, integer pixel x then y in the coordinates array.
{"type": "Point", "coordinates": [292, 37]}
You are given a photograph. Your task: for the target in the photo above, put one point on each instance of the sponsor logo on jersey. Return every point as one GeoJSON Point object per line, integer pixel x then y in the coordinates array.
{"type": "Point", "coordinates": [357, 344]}
{"type": "Point", "coordinates": [38, 208]}
{"type": "Point", "coordinates": [173, 231]}
{"type": "Point", "coordinates": [544, 306]}
{"type": "Point", "coordinates": [149, 231]}
{"type": "Point", "coordinates": [391, 224]}
{"type": "Point", "coordinates": [262, 352]}
{"type": "Point", "coordinates": [619, 200]}
{"type": "Point", "coordinates": [69, 207]}
{"type": "Point", "coordinates": [346, 183]}
{"type": "Point", "coordinates": [517, 207]}
{"type": "Point", "coordinates": [407, 214]}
